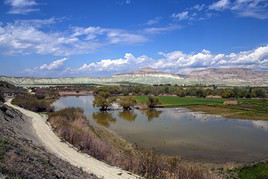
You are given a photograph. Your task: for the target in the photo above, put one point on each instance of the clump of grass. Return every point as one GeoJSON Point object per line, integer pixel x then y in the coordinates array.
{"type": "Point", "coordinates": [71, 125]}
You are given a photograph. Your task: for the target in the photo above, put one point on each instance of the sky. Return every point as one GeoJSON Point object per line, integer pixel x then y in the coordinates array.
{"type": "Point", "coordinates": [48, 38]}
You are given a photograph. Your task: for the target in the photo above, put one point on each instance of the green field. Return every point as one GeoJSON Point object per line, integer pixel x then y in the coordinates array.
{"type": "Point", "coordinates": [245, 109]}
{"type": "Point", "coordinates": [258, 171]}
{"type": "Point", "coordinates": [175, 101]}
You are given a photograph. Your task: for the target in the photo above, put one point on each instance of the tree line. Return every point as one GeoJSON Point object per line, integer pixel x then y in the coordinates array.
{"type": "Point", "coordinates": [198, 91]}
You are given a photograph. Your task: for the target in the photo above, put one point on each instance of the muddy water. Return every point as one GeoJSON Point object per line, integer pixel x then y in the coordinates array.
{"type": "Point", "coordinates": [179, 131]}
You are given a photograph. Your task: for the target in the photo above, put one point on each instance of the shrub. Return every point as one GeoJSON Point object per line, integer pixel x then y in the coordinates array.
{"type": "Point", "coordinates": [127, 102]}
{"type": "Point", "coordinates": [103, 100]}
{"type": "Point", "coordinates": [152, 102]}
{"type": "Point", "coordinates": [32, 103]}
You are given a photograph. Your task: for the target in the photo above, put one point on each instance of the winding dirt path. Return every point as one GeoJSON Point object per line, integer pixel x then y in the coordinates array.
{"type": "Point", "coordinates": [66, 152]}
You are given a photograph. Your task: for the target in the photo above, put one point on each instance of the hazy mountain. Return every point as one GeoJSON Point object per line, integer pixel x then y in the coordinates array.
{"type": "Point", "coordinates": [230, 76]}
{"type": "Point", "coordinates": [222, 76]}
{"type": "Point", "coordinates": [149, 72]}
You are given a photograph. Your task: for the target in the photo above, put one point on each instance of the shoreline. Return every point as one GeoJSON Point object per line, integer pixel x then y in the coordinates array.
{"type": "Point", "coordinates": [68, 153]}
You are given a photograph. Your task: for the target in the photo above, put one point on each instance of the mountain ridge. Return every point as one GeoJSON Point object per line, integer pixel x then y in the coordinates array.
{"type": "Point", "coordinates": [211, 76]}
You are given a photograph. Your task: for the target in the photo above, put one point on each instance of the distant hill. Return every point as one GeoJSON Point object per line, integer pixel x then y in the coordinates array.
{"type": "Point", "coordinates": [229, 76]}
{"type": "Point", "coordinates": [211, 76]}
{"type": "Point", "coordinates": [148, 72]}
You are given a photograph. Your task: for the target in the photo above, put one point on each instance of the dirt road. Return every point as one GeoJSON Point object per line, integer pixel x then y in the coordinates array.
{"type": "Point", "coordinates": [66, 152]}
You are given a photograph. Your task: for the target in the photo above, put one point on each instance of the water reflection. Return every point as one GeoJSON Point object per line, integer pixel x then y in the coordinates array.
{"type": "Point", "coordinates": [179, 131]}
{"type": "Point", "coordinates": [103, 118]}
{"type": "Point", "coordinates": [261, 124]}
{"type": "Point", "coordinates": [128, 115]}
{"type": "Point", "coordinates": [152, 114]}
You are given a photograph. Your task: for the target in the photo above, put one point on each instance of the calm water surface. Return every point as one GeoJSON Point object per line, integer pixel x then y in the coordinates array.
{"type": "Point", "coordinates": [178, 131]}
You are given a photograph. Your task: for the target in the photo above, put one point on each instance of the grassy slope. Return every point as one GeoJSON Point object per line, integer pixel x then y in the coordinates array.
{"type": "Point", "coordinates": [246, 109]}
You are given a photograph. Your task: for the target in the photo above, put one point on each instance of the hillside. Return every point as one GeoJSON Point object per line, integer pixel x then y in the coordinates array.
{"type": "Point", "coordinates": [230, 76]}
{"type": "Point", "coordinates": [21, 153]}
{"type": "Point", "coordinates": [221, 76]}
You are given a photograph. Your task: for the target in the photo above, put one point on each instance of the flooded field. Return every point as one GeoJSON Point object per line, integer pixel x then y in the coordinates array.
{"type": "Point", "coordinates": [179, 131]}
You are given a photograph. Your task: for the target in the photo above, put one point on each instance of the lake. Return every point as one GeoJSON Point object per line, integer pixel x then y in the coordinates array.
{"type": "Point", "coordinates": [191, 135]}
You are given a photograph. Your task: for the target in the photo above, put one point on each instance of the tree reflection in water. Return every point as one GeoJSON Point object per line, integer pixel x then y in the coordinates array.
{"type": "Point", "coordinates": [103, 118]}
{"type": "Point", "coordinates": [152, 113]}
{"type": "Point", "coordinates": [128, 115]}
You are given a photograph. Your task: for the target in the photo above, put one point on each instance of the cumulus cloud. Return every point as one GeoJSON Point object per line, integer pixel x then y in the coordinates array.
{"type": "Point", "coordinates": [177, 61]}
{"type": "Point", "coordinates": [21, 6]}
{"type": "Point", "coordinates": [128, 62]}
{"type": "Point", "coordinates": [54, 68]}
{"type": "Point", "coordinates": [53, 65]}
{"type": "Point", "coordinates": [26, 37]}
{"type": "Point", "coordinates": [257, 59]}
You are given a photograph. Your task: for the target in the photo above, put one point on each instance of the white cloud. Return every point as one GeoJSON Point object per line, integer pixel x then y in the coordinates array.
{"type": "Point", "coordinates": [21, 6]}
{"type": "Point", "coordinates": [181, 16]}
{"type": "Point", "coordinates": [161, 29]}
{"type": "Point", "coordinates": [37, 22]}
{"type": "Point", "coordinates": [199, 7]}
{"type": "Point", "coordinates": [245, 8]}
{"type": "Point", "coordinates": [153, 21]}
{"type": "Point", "coordinates": [54, 68]}
{"type": "Point", "coordinates": [257, 58]}
{"type": "Point", "coordinates": [178, 62]}
{"type": "Point", "coordinates": [27, 37]}
{"type": "Point", "coordinates": [220, 5]}
{"type": "Point", "coordinates": [128, 62]}
{"type": "Point", "coordinates": [53, 65]}
{"type": "Point", "coordinates": [112, 36]}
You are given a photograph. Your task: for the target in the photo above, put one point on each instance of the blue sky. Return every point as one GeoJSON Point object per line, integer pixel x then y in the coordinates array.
{"type": "Point", "coordinates": [103, 37]}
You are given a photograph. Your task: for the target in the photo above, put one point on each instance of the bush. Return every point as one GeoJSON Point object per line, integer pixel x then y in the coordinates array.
{"type": "Point", "coordinates": [152, 102]}
{"type": "Point", "coordinates": [103, 100]}
{"type": "Point", "coordinates": [127, 102]}
{"type": "Point", "coordinates": [32, 103]}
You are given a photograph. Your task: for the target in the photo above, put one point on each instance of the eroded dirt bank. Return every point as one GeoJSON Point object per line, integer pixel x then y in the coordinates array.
{"type": "Point", "coordinates": [21, 153]}
{"type": "Point", "coordinates": [64, 151]}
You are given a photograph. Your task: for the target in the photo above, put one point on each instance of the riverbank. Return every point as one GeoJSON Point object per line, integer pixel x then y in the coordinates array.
{"type": "Point", "coordinates": [22, 154]}
{"type": "Point", "coordinates": [252, 109]}
{"type": "Point", "coordinates": [71, 125]}
{"type": "Point", "coordinates": [66, 152]}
